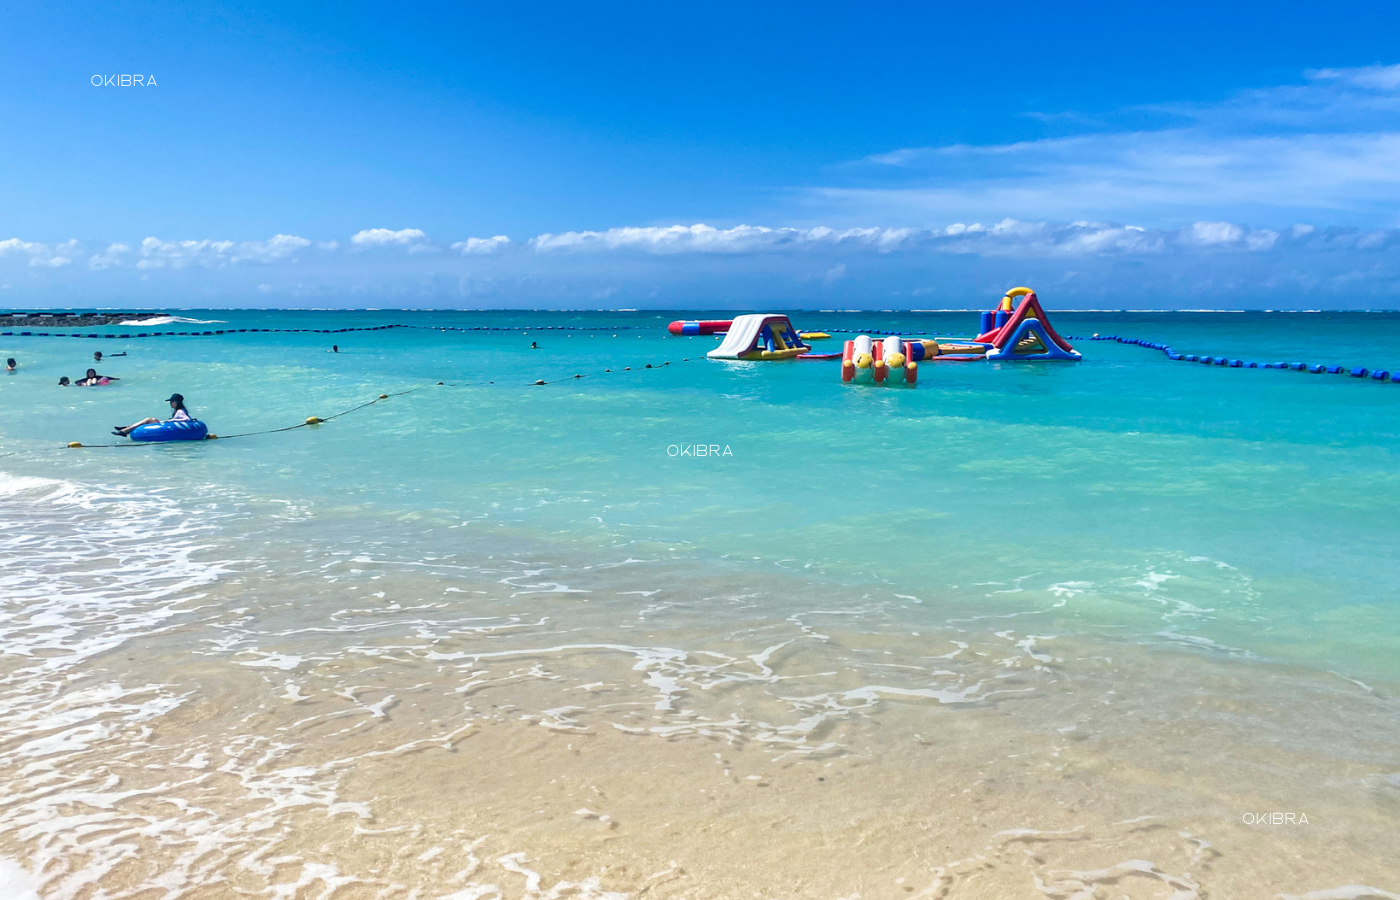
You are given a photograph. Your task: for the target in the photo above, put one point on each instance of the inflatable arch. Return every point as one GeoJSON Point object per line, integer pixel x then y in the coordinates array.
{"type": "Point", "coordinates": [1024, 333]}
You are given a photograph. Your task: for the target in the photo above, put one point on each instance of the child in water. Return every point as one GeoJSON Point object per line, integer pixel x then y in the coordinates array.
{"type": "Point", "coordinates": [92, 378]}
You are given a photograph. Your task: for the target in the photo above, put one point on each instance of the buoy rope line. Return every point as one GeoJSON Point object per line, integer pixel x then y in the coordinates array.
{"type": "Point", "coordinates": [318, 420]}
{"type": "Point", "coordinates": [1382, 375]}
{"type": "Point", "coordinates": [311, 420]}
{"type": "Point", "coordinates": [126, 336]}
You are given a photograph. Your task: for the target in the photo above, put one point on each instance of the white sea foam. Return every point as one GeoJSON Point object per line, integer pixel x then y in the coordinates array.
{"type": "Point", "coordinates": [15, 882]}
{"type": "Point", "coordinates": [1069, 885]}
{"type": "Point", "coordinates": [88, 569]}
{"type": "Point", "coordinates": [1345, 892]}
{"type": "Point", "coordinates": [171, 320]}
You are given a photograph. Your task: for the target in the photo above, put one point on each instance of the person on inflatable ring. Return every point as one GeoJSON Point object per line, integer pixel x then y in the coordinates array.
{"type": "Point", "coordinates": [179, 414]}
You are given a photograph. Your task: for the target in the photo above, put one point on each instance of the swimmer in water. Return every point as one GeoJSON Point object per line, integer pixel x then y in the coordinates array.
{"type": "Point", "coordinates": [534, 346]}
{"type": "Point", "coordinates": [92, 378]}
{"type": "Point", "coordinates": [11, 365]}
{"type": "Point", "coordinates": [177, 410]}
{"type": "Point", "coordinates": [335, 348]}
{"type": "Point", "coordinates": [97, 356]}
{"type": "Point", "coordinates": [63, 382]}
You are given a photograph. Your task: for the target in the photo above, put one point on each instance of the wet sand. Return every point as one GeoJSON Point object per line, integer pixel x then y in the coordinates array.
{"type": "Point", "coordinates": [484, 733]}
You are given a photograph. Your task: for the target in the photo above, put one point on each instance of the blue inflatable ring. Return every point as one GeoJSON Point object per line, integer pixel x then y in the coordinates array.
{"type": "Point", "coordinates": [180, 430]}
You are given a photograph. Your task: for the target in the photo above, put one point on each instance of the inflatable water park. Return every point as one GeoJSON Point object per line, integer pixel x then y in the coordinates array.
{"type": "Point", "coordinates": [1016, 329]}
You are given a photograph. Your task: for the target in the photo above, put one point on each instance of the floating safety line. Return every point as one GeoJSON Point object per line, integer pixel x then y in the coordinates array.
{"type": "Point", "coordinates": [154, 334]}
{"type": "Point", "coordinates": [317, 420]}
{"type": "Point", "coordinates": [311, 420]}
{"type": "Point", "coordinates": [1382, 375]}
{"type": "Point", "coordinates": [529, 327]}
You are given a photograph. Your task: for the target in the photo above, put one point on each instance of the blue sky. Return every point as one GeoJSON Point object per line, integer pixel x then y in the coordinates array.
{"type": "Point", "coordinates": [731, 155]}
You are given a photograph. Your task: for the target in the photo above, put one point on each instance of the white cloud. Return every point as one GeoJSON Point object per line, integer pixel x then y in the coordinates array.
{"type": "Point", "coordinates": [280, 246]}
{"type": "Point", "coordinates": [1008, 237]}
{"type": "Point", "coordinates": [15, 245]}
{"type": "Point", "coordinates": [1208, 233]}
{"type": "Point", "coordinates": [1378, 78]}
{"type": "Point", "coordinates": [703, 238]}
{"type": "Point", "coordinates": [1214, 261]}
{"type": "Point", "coordinates": [159, 254]}
{"type": "Point", "coordinates": [1326, 149]}
{"type": "Point", "coordinates": [473, 246]}
{"type": "Point", "coordinates": [384, 237]}
{"type": "Point", "coordinates": [40, 254]}
{"type": "Point", "coordinates": [112, 256]}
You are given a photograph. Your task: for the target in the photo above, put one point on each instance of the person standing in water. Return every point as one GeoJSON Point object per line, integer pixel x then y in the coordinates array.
{"type": "Point", "coordinates": [178, 414]}
{"type": "Point", "coordinates": [11, 365]}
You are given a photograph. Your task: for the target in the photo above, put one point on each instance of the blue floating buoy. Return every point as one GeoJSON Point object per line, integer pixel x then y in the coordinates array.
{"type": "Point", "coordinates": [1395, 377]}
{"type": "Point", "coordinates": [1191, 357]}
{"type": "Point", "coordinates": [1380, 375]}
{"type": "Point", "coordinates": [1360, 372]}
{"type": "Point", "coordinates": [1221, 361]}
{"type": "Point", "coordinates": [1176, 356]}
{"type": "Point", "coordinates": [1236, 363]}
{"type": "Point", "coordinates": [1334, 370]}
{"type": "Point", "coordinates": [1317, 369]}
{"type": "Point", "coordinates": [1297, 366]}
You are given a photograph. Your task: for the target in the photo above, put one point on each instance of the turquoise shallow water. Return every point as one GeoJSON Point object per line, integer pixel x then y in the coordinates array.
{"type": "Point", "coordinates": [487, 636]}
{"type": "Point", "coordinates": [1246, 512]}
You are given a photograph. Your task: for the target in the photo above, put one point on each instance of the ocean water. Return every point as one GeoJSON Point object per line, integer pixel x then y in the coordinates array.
{"type": "Point", "coordinates": [1028, 629]}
